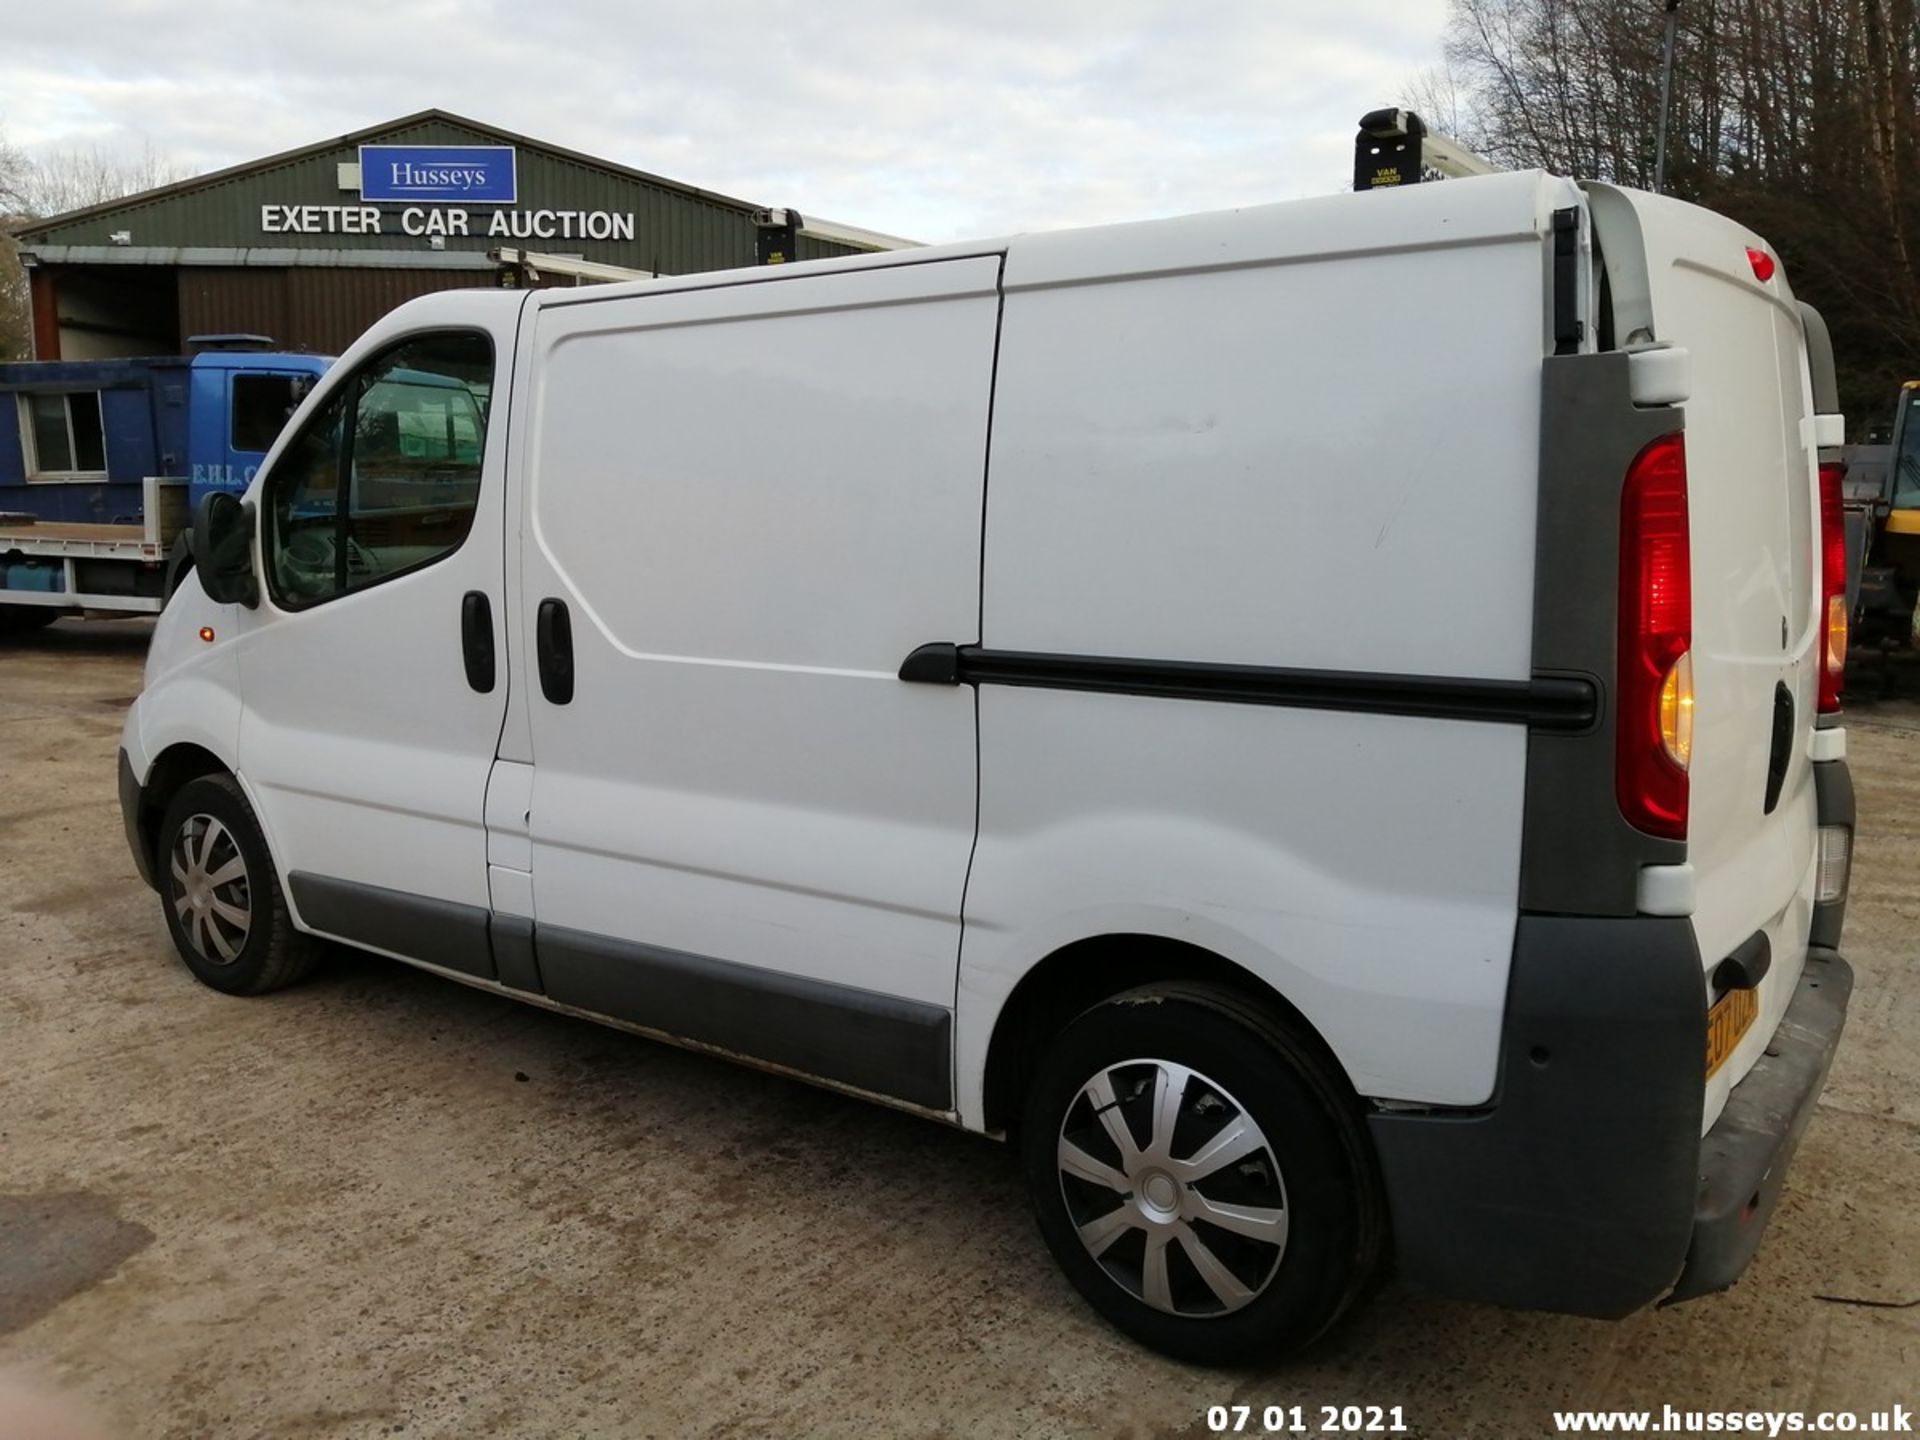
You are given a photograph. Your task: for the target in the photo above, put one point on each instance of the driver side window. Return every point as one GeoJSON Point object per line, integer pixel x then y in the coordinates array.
{"type": "Point", "coordinates": [385, 478]}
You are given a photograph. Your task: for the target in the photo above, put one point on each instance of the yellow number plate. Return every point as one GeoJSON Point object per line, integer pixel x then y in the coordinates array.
{"type": "Point", "coordinates": [1727, 1021]}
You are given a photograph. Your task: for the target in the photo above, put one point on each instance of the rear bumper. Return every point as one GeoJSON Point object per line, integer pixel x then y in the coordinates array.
{"type": "Point", "coordinates": [1586, 1187]}
{"type": "Point", "coordinates": [1743, 1160]}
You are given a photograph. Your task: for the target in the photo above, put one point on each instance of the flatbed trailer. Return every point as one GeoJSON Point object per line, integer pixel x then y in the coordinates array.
{"type": "Point", "coordinates": [105, 568]}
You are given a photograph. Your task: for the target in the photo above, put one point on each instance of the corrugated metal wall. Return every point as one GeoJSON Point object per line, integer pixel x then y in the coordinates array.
{"type": "Point", "coordinates": [233, 302]}
{"type": "Point", "coordinates": [310, 308]}
{"type": "Point", "coordinates": [328, 309]}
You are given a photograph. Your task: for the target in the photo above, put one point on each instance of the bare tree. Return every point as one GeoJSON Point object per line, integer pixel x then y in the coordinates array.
{"type": "Point", "coordinates": [74, 179]}
{"type": "Point", "coordinates": [13, 177]}
{"type": "Point", "coordinates": [16, 312]}
{"type": "Point", "coordinates": [1439, 97]}
{"type": "Point", "coordinates": [1800, 118]}
{"type": "Point", "coordinates": [64, 180]}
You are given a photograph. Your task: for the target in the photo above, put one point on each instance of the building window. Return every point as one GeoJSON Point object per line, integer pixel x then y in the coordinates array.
{"type": "Point", "coordinates": [61, 438]}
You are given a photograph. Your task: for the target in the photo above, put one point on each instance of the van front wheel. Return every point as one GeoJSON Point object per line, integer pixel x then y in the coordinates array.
{"type": "Point", "coordinates": [223, 901]}
{"type": "Point", "coordinates": [1200, 1176]}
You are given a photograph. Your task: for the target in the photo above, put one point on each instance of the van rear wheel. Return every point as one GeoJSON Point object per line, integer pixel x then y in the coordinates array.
{"type": "Point", "coordinates": [222, 898]}
{"type": "Point", "coordinates": [1200, 1175]}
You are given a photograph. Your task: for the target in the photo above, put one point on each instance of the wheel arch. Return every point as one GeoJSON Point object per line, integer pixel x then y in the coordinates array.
{"type": "Point", "coordinates": [172, 770]}
{"type": "Point", "coordinates": [180, 562]}
{"type": "Point", "coordinates": [1085, 972]}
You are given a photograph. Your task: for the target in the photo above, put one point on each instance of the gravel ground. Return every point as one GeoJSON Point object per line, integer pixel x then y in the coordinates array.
{"type": "Point", "coordinates": [382, 1203]}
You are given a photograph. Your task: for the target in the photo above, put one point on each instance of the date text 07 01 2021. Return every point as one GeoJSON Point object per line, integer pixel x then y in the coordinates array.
{"type": "Point", "coordinates": [1301, 1420]}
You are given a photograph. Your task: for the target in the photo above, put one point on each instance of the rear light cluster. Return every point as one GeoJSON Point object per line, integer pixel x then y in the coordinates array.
{"type": "Point", "coordinates": [1654, 728]}
{"type": "Point", "coordinates": [1833, 588]}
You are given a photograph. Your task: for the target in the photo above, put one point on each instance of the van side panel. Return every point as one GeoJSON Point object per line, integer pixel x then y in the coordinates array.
{"type": "Point", "coordinates": [1279, 457]}
{"type": "Point", "coordinates": [756, 499]}
{"type": "Point", "coordinates": [1326, 463]}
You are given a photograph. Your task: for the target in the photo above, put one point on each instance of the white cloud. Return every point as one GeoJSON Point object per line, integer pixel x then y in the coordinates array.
{"type": "Point", "coordinates": [938, 121]}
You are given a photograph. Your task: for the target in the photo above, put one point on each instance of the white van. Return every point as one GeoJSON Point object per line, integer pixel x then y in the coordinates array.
{"type": "Point", "coordinates": [1308, 720]}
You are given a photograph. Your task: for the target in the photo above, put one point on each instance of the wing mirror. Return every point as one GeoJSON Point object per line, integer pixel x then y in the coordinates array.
{"type": "Point", "coordinates": [222, 545]}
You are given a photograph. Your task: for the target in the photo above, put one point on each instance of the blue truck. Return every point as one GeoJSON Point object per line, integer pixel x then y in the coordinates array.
{"type": "Point", "coordinates": [102, 462]}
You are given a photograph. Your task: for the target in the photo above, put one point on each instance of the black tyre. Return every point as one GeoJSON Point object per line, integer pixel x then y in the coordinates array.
{"type": "Point", "coordinates": [222, 898]}
{"type": "Point", "coordinates": [26, 619]}
{"type": "Point", "coordinates": [1201, 1175]}
{"type": "Point", "coordinates": [179, 562]}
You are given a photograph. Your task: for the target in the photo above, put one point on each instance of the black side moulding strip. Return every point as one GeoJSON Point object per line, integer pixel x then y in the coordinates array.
{"type": "Point", "coordinates": [1559, 703]}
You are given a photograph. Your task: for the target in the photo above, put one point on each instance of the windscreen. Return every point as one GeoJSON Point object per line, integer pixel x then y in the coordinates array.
{"type": "Point", "coordinates": [261, 405]}
{"type": "Point", "coordinates": [1906, 465]}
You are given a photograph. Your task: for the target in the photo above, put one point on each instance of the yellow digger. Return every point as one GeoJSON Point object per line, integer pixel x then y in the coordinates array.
{"type": "Point", "coordinates": [1881, 493]}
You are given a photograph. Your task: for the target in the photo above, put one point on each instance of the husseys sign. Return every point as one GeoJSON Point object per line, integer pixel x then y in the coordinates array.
{"type": "Point", "coordinates": [435, 185]}
{"type": "Point", "coordinates": [475, 174]}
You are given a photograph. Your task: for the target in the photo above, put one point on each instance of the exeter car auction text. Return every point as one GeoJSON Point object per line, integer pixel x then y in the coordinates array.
{"type": "Point", "coordinates": [418, 220]}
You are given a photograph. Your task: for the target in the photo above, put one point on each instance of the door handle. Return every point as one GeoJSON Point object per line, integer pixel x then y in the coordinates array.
{"type": "Point", "coordinates": [553, 640]}
{"type": "Point", "coordinates": [476, 639]}
{"type": "Point", "coordinates": [1781, 754]}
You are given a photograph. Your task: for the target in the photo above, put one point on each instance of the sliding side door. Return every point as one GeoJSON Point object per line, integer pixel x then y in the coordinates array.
{"type": "Point", "coordinates": [745, 505]}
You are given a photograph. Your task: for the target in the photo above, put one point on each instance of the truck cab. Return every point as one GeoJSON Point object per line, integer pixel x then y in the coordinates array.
{"type": "Point", "coordinates": [102, 461]}
{"type": "Point", "coordinates": [238, 402]}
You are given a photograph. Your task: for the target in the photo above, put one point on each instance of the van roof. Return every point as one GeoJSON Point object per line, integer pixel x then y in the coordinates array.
{"type": "Point", "coordinates": [1516, 205]}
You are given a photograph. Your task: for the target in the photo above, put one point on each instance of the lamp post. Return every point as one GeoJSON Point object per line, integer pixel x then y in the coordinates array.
{"type": "Point", "coordinates": [1666, 95]}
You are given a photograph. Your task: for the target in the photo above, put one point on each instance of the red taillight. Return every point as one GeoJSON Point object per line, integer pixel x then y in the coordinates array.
{"type": "Point", "coordinates": [1762, 264]}
{"type": "Point", "coordinates": [1833, 588]}
{"type": "Point", "coordinates": [1654, 726]}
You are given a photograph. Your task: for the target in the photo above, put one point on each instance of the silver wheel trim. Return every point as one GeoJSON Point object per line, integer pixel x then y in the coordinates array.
{"type": "Point", "coordinates": [212, 898]}
{"type": "Point", "coordinates": [1160, 1194]}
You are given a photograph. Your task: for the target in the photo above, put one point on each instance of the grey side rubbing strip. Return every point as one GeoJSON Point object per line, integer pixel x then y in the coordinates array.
{"type": "Point", "coordinates": [874, 1042]}
{"type": "Point", "coordinates": [1578, 854]}
{"type": "Point", "coordinates": [513, 957]}
{"type": "Point", "coordinates": [437, 932]}
{"type": "Point", "coordinates": [890, 1046]}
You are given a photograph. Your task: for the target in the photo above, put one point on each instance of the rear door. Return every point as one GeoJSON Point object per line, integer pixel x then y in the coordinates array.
{"type": "Point", "coordinates": [745, 505]}
{"type": "Point", "coordinates": [1754, 520]}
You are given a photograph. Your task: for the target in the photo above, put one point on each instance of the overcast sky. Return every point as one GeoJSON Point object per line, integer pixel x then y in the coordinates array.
{"type": "Point", "coordinates": [934, 121]}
